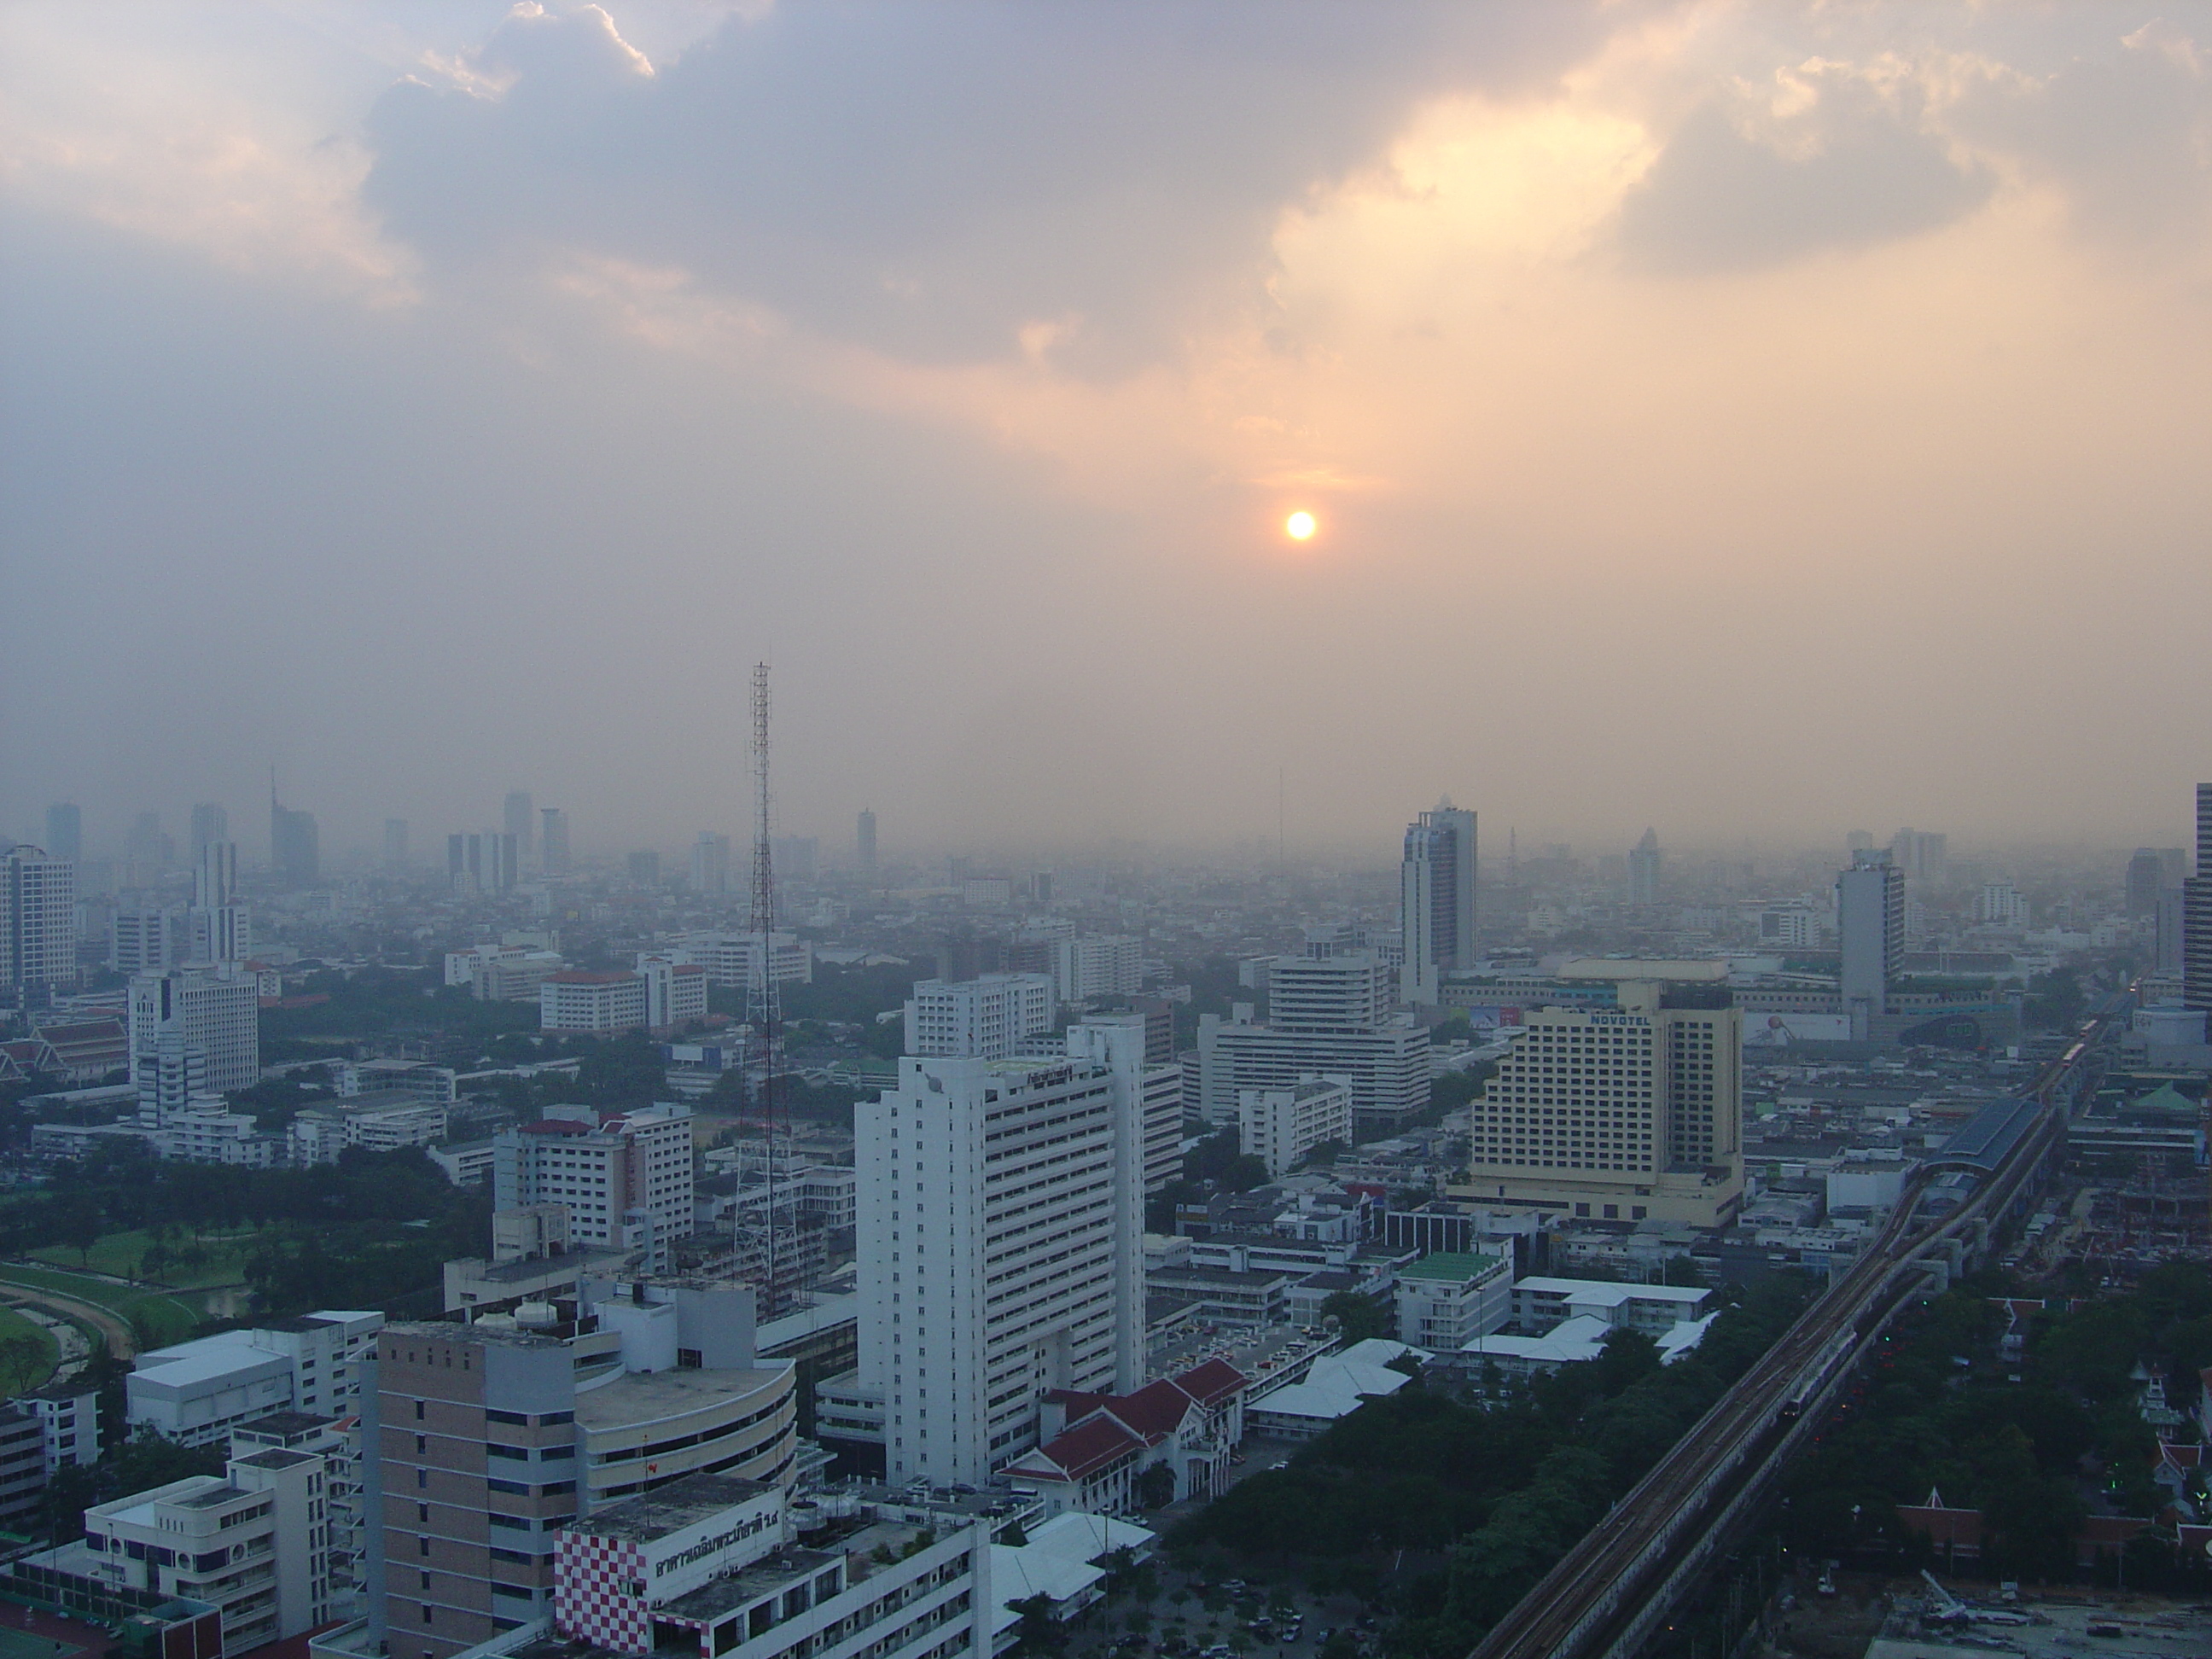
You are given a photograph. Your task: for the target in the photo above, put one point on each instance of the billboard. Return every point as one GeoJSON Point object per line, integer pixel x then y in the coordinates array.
{"type": "Point", "coordinates": [1772, 1030]}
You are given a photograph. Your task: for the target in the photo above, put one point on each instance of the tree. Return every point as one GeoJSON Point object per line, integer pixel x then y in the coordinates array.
{"type": "Point", "coordinates": [1154, 1488]}
{"type": "Point", "coordinates": [24, 1361]}
{"type": "Point", "coordinates": [81, 1226]}
{"type": "Point", "coordinates": [1356, 1315]}
{"type": "Point", "coordinates": [1039, 1632]}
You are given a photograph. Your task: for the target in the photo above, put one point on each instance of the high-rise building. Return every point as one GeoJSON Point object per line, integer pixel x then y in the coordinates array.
{"type": "Point", "coordinates": [2146, 879]}
{"type": "Point", "coordinates": [218, 924]}
{"type": "Point", "coordinates": [294, 844]}
{"type": "Point", "coordinates": [625, 1177]}
{"type": "Point", "coordinates": [209, 822]}
{"type": "Point", "coordinates": [1280, 1126]}
{"type": "Point", "coordinates": [1870, 935]}
{"type": "Point", "coordinates": [143, 938]}
{"type": "Point", "coordinates": [487, 862]}
{"type": "Point", "coordinates": [65, 831]}
{"type": "Point", "coordinates": [395, 844]}
{"type": "Point", "coordinates": [1437, 894]}
{"type": "Point", "coordinates": [38, 923]}
{"type": "Point", "coordinates": [1001, 1234]}
{"type": "Point", "coordinates": [1922, 855]}
{"type": "Point", "coordinates": [1630, 1113]}
{"type": "Point", "coordinates": [989, 1017]}
{"type": "Point", "coordinates": [1328, 1016]}
{"type": "Point", "coordinates": [1096, 965]}
{"type": "Point", "coordinates": [863, 839]}
{"type": "Point", "coordinates": [1127, 1045]}
{"type": "Point", "coordinates": [2172, 928]}
{"type": "Point", "coordinates": [1645, 860]}
{"type": "Point", "coordinates": [733, 960]}
{"type": "Point", "coordinates": [2197, 913]}
{"type": "Point", "coordinates": [194, 1032]}
{"type": "Point", "coordinates": [553, 841]}
{"type": "Point", "coordinates": [496, 1436]}
{"type": "Point", "coordinates": [519, 820]}
{"type": "Point", "coordinates": [710, 864]}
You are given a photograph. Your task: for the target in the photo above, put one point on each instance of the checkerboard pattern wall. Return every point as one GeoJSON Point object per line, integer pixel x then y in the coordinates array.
{"type": "Point", "coordinates": [592, 1592]}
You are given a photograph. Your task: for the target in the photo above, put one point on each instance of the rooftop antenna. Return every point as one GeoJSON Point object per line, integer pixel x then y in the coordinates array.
{"type": "Point", "coordinates": [763, 1009]}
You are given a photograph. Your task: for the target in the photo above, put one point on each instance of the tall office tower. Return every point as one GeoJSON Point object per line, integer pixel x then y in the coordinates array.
{"type": "Point", "coordinates": [144, 939]}
{"type": "Point", "coordinates": [710, 864]}
{"type": "Point", "coordinates": [220, 929]}
{"type": "Point", "coordinates": [395, 844]}
{"type": "Point", "coordinates": [2197, 913]}
{"type": "Point", "coordinates": [486, 862]}
{"type": "Point", "coordinates": [644, 869]}
{"type": "Point", "coordinates": [1870, 932]}
{"type": "Point", "coordinates": [1000, 1231]}
{"type": "Point", "coordinates": [193, 1031]}
{"type": "Point", "coordinates": [2172, 928]}
{"type": "Point", "coordinates": [1126, 1044]}
{"type": "Point", "coordinates": [985, 1019]}
{"type": "Point", "coordinates": [209, 822]}
{"type": "Point", "coordinates": [520, 819]}
{"type": "Point", "coordinates": [1643, 863]}
{"type": "Point", "coordinates": [1920, 853]}
{"type": "Point", "coordinates": [864, 838]}
{"type": "Point", "coordinates": [38, 923]}
{"type": "Point", "coordinates": [1626, 1114]}
{"type": "Point", "coordinates": [294, 844]}
{"type": "Point", "coordinates": [625, 1177]}
{"type": "Point", "coordinates": [1437, 893]}
{"type": "Point", "coordinates": [2152, 872]}
{"type": "Point", "coordinates": [1098, 965]}
{"type": "Point", "coordinates": [553, 841]}
{"type": "Point", "coordinates": [491, 1439]}
{"type": "Point", "coordinates": [147, 849]}
{"type": "Point", "coordinates": [65, 831]}
{"type": "Point", "coordinates": [1328, 1016]}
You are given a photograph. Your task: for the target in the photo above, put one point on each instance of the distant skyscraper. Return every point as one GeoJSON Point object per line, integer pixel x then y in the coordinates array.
{"type": "Point", "coordinates": [1921, 854]}
{"type": "Point", "coordinates": [1437, 894]}
{"type": "Point", "coordinates": [1870, 930]}
{"type": "Point", "coordinates": [1643, 862]}
{"type": "Point", "coordinates": [148, 849]}
{"type": "Point", "coordinates": [710, 864]}
{"type": "Point", "coordinates": [521, 821]}
{"type": "Point", "coordinates": [644, 869]}
{"type": "Point", "coordinates": [2150, 872]}
{"type": "Point", "coordinates": [487, 862]}
{"type": "Point", "coordinates": [2197, 913]}
{"type": "Point", "coordinates": [38, 923]}
{"type": "Point", "coordinates": [294, 844]}
{"type": "Point", "coordinates": [217, 921]}
{"type": "Point", "coordinates": [395, 843]}
{"type": "Point", "coordinates": [209, 822]}
{"type": "Point", "coordinates": [65, 831]}
{"type": "Point", "coordinates": [864, 838]}
{"type": "Point", "coordinates": [553, 841]}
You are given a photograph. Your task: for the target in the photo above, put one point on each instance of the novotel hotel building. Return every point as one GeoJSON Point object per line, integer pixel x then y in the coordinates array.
{"type": "Point", "coordinates": [731, 1569]}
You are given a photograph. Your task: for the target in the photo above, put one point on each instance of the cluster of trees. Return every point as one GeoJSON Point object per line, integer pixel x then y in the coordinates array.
{"type": "Point", "coordinates": [370, 1230]}
{"type": "Point", "coordinates": [1492, 1497]}
{"type": "Point", "coordinates": [380, 1002]}
{"type": "Point", "coordinates": [1940, 1409]}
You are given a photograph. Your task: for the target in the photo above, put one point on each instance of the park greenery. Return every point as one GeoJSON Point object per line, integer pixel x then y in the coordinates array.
{"type": "Point", "coordinates": [1477, 1502]}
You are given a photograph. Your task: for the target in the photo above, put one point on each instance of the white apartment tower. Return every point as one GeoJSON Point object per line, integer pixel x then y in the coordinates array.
{"type": "Point", "coordinates": [1436, 891]}
{"type": "Point", "coordinates": [193, 1031]}
{"type": "Point", "coordinates": [986, 1018]}
{"type": "Point", "coordinates": [1098, 965]}
{"type": "Point", "coordinates": [38, 923]}
{"type": "Point", "coordinates": [1623, 1114]}
{"type": "Point", "coordinates": [1001, 1234]}
{"type": "Point", "coordinates": [1279, 1126]}
{"type": "Point", "coordinates": [1328, 1015]}
{"type": "Point", "coordinates": [626, 1178]}
{"type": "Point", "coordinates": [218, 925]}
{"type": "Point", "coordinates": [1870, 930]}
{"type": "Point", "coordinates": [1124, 1042]}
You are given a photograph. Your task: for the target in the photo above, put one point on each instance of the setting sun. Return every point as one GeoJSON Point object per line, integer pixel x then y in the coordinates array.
{"type": "Point", "coordinates": [1301, 527]}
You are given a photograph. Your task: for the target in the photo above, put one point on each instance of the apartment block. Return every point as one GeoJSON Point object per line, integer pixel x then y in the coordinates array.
{"type": "Point", "coordinates": [625, 1178]}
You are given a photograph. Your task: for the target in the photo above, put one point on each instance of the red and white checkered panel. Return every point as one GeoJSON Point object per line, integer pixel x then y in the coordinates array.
{"type": "Point", "coordinates": [592, 1599]}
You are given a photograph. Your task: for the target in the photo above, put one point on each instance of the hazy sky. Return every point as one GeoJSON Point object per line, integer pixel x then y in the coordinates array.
{"type": "Point", "coordinates": [1738, 419]}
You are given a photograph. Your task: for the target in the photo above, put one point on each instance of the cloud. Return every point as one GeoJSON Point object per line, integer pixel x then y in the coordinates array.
{"type": "Point", "coordinates": [931, 181]}
{"type": "Point", "coordinates": [1846, 170]}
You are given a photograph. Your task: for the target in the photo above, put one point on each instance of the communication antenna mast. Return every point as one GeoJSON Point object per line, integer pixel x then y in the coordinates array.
{"type": "Point", "coordinates": [763, 1009]}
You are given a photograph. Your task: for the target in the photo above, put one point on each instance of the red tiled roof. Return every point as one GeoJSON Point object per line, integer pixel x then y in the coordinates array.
{"type": "Point", "coordinates": [1154, 1411]}
{"type": "Point", "coordinates": [1083, 1450]}
{"type": "Point", "coordinates": [1213, 1383]}
{"type": "Point", "coordinates": [90, 1030]}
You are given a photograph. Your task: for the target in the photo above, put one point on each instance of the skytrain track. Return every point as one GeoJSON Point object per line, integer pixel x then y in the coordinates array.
{"type": "Point", "coordinates": [1604, 1596]}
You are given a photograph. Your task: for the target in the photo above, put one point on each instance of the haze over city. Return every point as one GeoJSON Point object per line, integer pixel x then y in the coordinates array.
{"type": "Point", "coordinates": [1751, 420]}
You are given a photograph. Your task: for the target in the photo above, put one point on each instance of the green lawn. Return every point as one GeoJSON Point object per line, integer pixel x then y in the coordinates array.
{"type": "Point", "coordinates": [164, 1318]}
{"type": "Point", "coordinates": [13, 1325]}
{"type": "Point", "coordinates": [194, 1264]}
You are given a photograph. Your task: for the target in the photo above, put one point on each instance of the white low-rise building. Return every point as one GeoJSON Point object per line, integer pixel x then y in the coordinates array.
{"type": "Point", "coordinates": [1337, 1385]}
{"type": "Point", "coordinates": [1569, 1343]}
{"type": "Point", "coordinates": [1446, 1300]}
{"type": "Point", "coordinates": [1540, 1303]}
{"type": "Point", "coordinates": [68, 1414]}
{"type": "Point", "coordinates": [1280, 1126]}
{"type": "Point", "coordinates": [196, 1393]}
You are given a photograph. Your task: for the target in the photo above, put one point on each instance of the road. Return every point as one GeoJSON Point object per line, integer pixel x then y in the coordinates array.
{"type": "Point", "coordinates": [1603, 1596]}
{"type": "Point", "coordinates": [111, 1325]}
